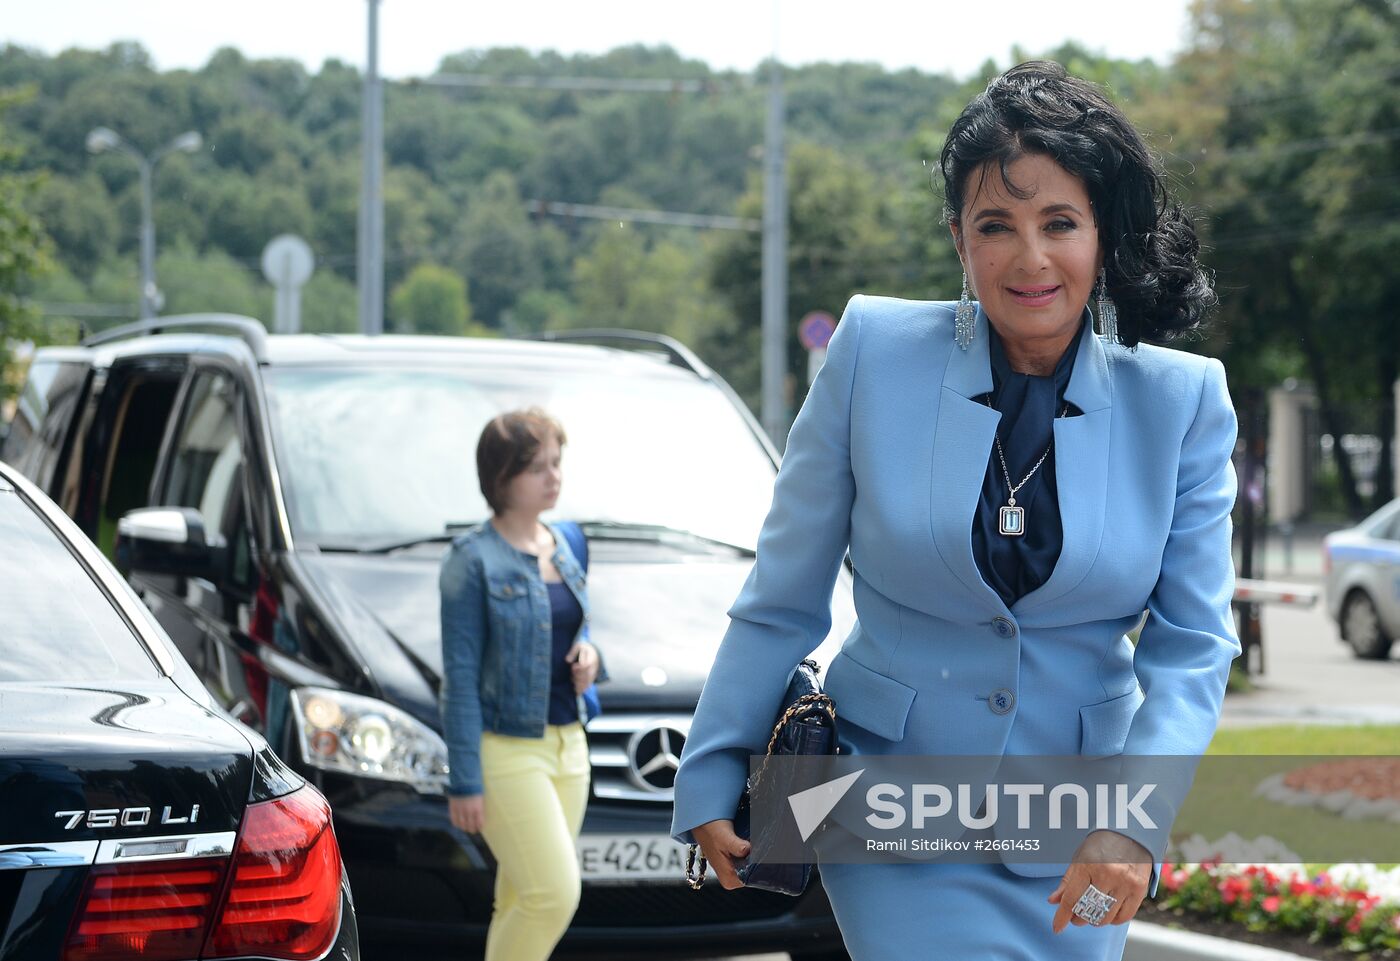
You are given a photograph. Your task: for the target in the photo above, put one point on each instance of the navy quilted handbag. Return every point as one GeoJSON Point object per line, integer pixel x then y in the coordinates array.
{"type": "Point", "coordinates": [805, 726]}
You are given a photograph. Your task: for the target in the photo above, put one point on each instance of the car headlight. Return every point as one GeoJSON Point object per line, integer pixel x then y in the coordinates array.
{"type": "Point", "coordinates": [353, 734]}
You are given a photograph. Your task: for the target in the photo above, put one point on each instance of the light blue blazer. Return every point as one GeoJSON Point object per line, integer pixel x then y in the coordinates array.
{"type": "Point", "coordinates": [886, 459]}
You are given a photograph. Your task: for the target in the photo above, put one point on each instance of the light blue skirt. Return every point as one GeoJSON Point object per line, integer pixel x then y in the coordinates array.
{"type": "Point", "coordinates": [931, 912]}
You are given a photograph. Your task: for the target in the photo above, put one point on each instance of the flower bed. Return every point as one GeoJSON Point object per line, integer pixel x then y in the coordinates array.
{"type": "Point", "coordinates": [1353, 907]}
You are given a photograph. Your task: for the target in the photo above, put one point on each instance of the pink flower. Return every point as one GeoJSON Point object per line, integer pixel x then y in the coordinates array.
{"type": "Point", "coordinates": [1235, 889]}
{"type": "Point", "coordinates": [1173, 880]}
{"type": "Point", "coordinates": [1298, 886]}
{"type": "Point", "coordinates": [1354, 922]}
{"type": "Point", "coordinates": [1271, 903]}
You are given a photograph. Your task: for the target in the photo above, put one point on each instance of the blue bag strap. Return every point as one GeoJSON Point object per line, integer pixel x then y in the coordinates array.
{"type": "Point", "coordinates": [577, 542]}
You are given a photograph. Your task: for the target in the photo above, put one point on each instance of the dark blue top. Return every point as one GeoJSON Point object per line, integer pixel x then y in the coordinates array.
{"type": "Point", "coordinates": [1015, 566]}
{"type": "Point", "coordinates": [565, 615]}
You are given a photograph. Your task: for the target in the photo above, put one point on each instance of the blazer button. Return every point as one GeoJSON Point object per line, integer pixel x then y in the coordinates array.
{"type": "Point", "coordinates": [1003, 627]}
{"type": "Point", "coordinates": [1001, 701]}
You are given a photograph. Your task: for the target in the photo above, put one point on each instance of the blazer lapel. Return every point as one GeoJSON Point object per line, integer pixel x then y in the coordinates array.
{"type": "Point", "coordinates": [962, 442]}
{"type": "Point", "coordinates": [1081, 472]}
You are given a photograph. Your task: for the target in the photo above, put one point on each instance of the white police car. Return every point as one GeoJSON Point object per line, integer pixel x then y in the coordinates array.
{"type": "Point", "coordinates": [1362, 566]}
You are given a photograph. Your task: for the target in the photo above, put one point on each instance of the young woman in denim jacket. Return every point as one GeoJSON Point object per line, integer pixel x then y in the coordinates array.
{"type": "Point", "coordinates": [517, 664]}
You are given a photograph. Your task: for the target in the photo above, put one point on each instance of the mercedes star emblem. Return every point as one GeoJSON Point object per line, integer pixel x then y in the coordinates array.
{"type": "Point", "coordinates": [653, 756]}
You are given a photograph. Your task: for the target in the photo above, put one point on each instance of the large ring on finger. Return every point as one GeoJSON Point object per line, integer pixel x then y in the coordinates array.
{"type": "Point", "coordinates": [1093, 905]}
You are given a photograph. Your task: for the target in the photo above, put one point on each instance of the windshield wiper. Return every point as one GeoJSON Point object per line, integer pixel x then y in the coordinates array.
{"type": "Point", "coordinates": [601, 529]}
{"type": "Point", "coordinates": [404, 543]}
{"type": "Point", "coordinates": [655, 533]}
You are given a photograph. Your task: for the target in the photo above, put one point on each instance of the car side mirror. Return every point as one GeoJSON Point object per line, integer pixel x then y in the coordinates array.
{"type": "Point", "coordinates": [168, 540]}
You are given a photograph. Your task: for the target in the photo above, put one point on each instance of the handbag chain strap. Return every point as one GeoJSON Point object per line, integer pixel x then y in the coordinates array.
{"type": "Point", "coordinates": [802, 705]}
{"type": "Point", "coordinates": [807, 702]}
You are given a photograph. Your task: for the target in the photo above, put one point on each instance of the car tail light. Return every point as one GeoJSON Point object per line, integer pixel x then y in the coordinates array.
{"type": "Point", "coordinates": [149, 910]}
{"type": "Point", "coordinates": [283, 897]}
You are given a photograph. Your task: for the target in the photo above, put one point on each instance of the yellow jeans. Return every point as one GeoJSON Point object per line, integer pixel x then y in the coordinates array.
{"type": "Point", "coordinates": [535, 791]}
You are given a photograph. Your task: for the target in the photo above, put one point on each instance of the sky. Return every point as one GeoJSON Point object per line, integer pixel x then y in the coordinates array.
{"type": "Point", "coordinates": [931, 36]}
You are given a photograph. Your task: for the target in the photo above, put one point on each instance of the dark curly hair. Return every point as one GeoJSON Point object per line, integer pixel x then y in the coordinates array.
{"type": "Point", "coordinates": [1149, 243]}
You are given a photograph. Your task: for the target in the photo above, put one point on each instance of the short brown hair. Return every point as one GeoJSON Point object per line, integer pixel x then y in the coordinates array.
{"type": "Point", "coordinates": [508, 443]}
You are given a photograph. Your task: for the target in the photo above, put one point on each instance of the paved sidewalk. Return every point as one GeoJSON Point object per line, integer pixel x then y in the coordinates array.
{"type": "Point", "coordinates": [1311, 677]}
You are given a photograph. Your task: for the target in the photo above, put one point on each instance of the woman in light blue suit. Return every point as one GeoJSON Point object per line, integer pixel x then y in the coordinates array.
{"type": "Point", "coordinates": [1014, 491]}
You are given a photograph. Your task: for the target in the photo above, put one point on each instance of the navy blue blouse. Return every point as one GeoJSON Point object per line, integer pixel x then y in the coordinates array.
{"type": "Point", "coordinates": [566, 615]}
{"type": "Point", "coordinates": [1015, 566]}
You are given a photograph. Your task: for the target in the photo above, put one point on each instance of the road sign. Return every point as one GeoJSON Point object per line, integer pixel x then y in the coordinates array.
{"type": "Point", "coordinates": [815, 330]}
{"type": "Point", "coordinates": [287, 264]}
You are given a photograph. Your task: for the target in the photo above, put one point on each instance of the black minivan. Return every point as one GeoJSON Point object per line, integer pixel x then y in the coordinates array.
{"type": "Point", "coordinates": [282, 503]}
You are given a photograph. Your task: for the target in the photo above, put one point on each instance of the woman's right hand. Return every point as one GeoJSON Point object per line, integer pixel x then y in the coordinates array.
{"type": "Point", "coordinates": [468, 813]}
{"type": "Point", "coordinates": [722, 847]}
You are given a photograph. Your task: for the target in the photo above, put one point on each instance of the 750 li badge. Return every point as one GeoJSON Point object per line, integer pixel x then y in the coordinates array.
{"type": "Point", "coordinates": [123, 817]}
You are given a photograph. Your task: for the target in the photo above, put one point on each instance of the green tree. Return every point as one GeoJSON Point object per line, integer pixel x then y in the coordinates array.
{"type": "Point", "coordinates": [24, 249]}
{"type": "Point", "coordinates": [500, 252]}
{"type": "Point", "coordinates": [80, 218]}
{"type": "Point", "coordinates": [842, 239]}
{"type": "Point", "coordinates": [1293, 149]}
{"type": "Point", "coordinates": [538, 310]}
{"type": "Point", "coordinates": [625, 282]}
{"type": "Point", "coordinates": [329, 305]}
{"type": "Point", "coordinates": [211, 282]}
{"type": "Point", "coordinates": [431, 300]}
{"type": "Point", "coordinates": [244, 213]}
{"type": "Point", "coordinates": [251, 140]}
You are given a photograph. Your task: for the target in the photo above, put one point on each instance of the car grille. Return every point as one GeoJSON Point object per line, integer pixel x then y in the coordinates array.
{"type": "Point", "coordinates": [634, 756]}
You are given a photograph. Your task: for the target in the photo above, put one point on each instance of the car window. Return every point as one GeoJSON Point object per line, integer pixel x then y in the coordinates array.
{"type": "Point", "coordinates": [1388, 529]}
{"type": "Point", "coordinates": [207, 453]}
{"type": "Point", "coordinates": [56, 624]}
{"type": "Point", "coordinates": [371, 455]}
{"type": "Point", "coordinates": [43, 415]}
{"type": "Point", "coordinates": [141, 402]}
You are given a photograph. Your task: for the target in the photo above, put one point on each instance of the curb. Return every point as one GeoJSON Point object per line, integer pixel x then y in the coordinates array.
{"type": "Point", "coordinates": [1154, 942]}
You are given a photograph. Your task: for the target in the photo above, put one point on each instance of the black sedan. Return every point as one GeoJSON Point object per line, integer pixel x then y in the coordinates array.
{"type": "Point", "coordinates": [138, 821]}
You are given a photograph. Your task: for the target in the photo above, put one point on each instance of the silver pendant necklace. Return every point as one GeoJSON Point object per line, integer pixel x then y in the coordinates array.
{"type": "Point", "coordinates": [1012, 520]}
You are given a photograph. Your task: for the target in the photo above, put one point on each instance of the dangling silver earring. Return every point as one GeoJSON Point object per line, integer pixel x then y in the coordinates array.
{"type": "Point", "coordinates": [965, 319]}
{"type": "Point", "coordinates": [1108, 310]}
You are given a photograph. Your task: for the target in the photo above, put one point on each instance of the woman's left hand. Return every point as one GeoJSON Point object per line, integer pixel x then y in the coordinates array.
{"type": "Point", "coordinates": [584, 658]}
{"type": "Point", "coordinates": [1116, 865]}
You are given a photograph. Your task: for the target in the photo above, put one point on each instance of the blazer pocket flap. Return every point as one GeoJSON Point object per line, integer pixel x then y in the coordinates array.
{"type": "Point", "coordinates": [1104, 726]}
{"type": "Point", "coordinates": [872, 700]}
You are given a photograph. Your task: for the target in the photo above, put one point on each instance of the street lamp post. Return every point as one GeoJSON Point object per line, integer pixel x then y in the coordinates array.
{"type": "Point", "coordinates": [101, 139]}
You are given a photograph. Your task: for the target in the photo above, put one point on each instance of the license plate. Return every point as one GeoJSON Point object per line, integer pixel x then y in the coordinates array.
{"type": "Point", "coordinates": [631, 857]}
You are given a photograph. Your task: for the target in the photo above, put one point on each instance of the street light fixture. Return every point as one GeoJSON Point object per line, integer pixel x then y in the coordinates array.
{"type": "Point", "coordinates": [101, 139]}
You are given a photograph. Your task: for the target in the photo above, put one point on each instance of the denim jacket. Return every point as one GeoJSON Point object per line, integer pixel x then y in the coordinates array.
{"type": "Point", "coordinates": [497, 643]}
